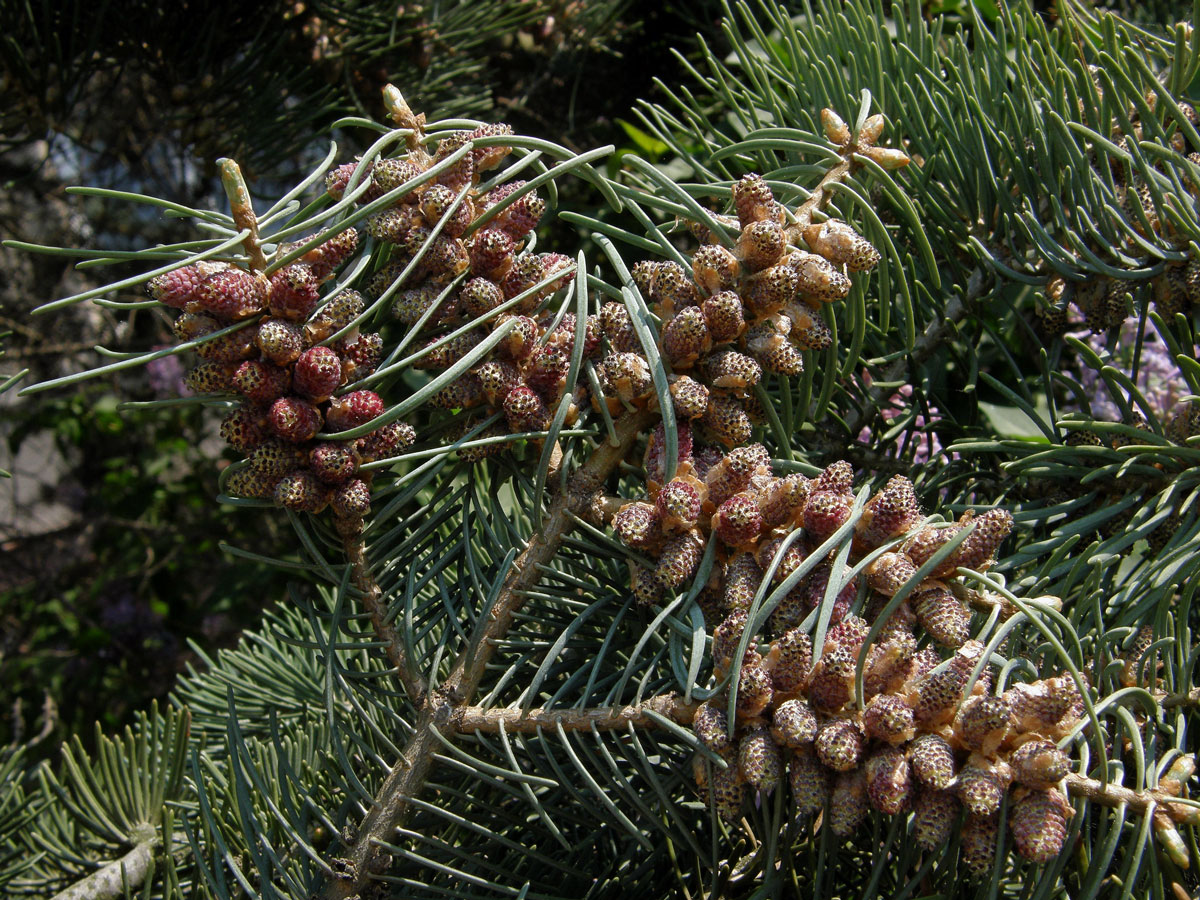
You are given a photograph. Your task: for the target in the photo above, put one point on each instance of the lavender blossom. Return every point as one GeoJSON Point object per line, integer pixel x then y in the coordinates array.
{"type": "Point", "coordinates": [923, 438]}
{"type": "Point", "coordinates": [1158, 376]}
{"type": "Point", "coordinates": [165, 375]}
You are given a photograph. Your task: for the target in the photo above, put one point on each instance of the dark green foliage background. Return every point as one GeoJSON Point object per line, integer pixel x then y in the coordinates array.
{"type": "Point", "coordinates": [96, 617]}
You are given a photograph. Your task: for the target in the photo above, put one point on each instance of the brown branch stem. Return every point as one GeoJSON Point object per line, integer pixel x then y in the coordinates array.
{"type": "Point", "coordinates": [470, 719]}
{"type": "Point", "coordinates": [401, 113]}
{"type": "Point", "coordinates": [804, 212]}
{"type": "Point", "coordinates": [360, 573]}
{"type": "Point", "coordinates": [111, 880]}
{"type": "Point", "coordinates": [468, 669]}
{"type": "Point", "coordinates": [1139, 801]}
{"type": "Point", "coordinates": [242, 209]}
{"type": "Point", "coordinates": [1191, 698]}
{"type": "Point", "coordinates": [407, 778]}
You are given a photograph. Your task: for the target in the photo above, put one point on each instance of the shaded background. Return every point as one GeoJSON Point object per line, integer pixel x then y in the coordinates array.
{"type": "Point", "coordinates": [108, 532]}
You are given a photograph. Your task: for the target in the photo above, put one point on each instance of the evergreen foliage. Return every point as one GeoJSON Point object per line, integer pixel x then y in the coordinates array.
{"type": "Point", "coordinates": [469, 696]}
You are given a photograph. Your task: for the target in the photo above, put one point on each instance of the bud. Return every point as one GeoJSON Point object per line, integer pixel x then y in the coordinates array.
{"type": "Point", "coordinates": [825, 512]}
{"type": "Point", "coordinates": [1040, 764]}
{"type": "Point", "coordinates": [680, 557]}
{"type": "Point", "coordinates": [294, 420]}
{"type": "Point", "coordinates": [841, 245]}
{"type": "Point", "coordinates": [979, 790]}
{"type": "Point", "coordinates": [688, 396]}
{"type": "Point", "coordinates": [245, 428]}
{"type": "Point", "coordinates": [871, 129]}
{"type": "Point", "coordinates": [982, 723]}
{"type": "Point", "coordinates": [848, 803]}
{"type": "Point", "coordinates": [942, 614]}
{"type": "Point", "coordinates": [809, 331]}
{"type": "Point", "coordinates": [727, 421]}
{"type": "Point", "coordinates": [753, 200]}
{"type": "Point", "coordinates": [889, 718]}
{"type": "Point", "coordinates": [301, 492]}
{"type": "Point", "coordinates": [685, 338]}
{"type": "Point", "coordinates": [738, 520]}
{"type": "Point", "coordinates": [251, 484]}
{"type": "Point", "coordinates": [978, 550]}
{"type": "Point", "coordinates": [818, 279]}
{"type": "Point", "coordinates": [525, 410]}
{"type": "Point", "coordinates": [646, 590]}
{"type": "Point", "coordinates": [724, 316]}
{"type": "Point", "coordinates": [978, 844]}
{"type": "Point", "coordinates": [839, 744]}
{"type": "Point", "coordinates": [317, 373]}
{"type": "Point", "coordinates": [932, 760]}
{"type": "Point", "coordinates": [835, 128]}
{"type": "Point", "coordinates": [888, 781]}
{"type": "Point", "coordinates": [768, 291]}
{"type": "Point", "coordinates": [890, 572]}
{"type": "Point", "coordinates": [888, 157]}
{"type": "Point", "coordinates": [726, 369]}
{"type": "Point", "coordinates": [714, 268]}
{"type": "Point", "coordinates": [793, 661]}
{"type": "Point", "coordinates": [754, 688]}
{"type": "Point", "coordinates": [210, 378]}
{"type": "Point", "coordinates": [938, 697]}
{"type": "Point", "coordinates": [728, 788]}
{"type": "Point", "coordinates": [890, 512]}
{"type": "Point", "coordinates": [772, 348]}
{"type": "Point", "coordinates": [760, 244]}
{"type": "Point", "coordinates": [711, 725]}
{"type": "Point", "coordinates": [678, 505]}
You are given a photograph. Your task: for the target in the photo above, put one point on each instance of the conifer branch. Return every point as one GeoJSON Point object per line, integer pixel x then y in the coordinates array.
{"type": "Point", "coordinates": [407, 778]}
{"type": "Point", "coordinates": [927, 343]}
{"type": "Point", "coordinates": [242, 209]}
{"type": "Point", "coordinates": [1139, 801]}
{"type": "Point", "coordinates": [110, 881]}
{"type": "Point", "coordinates": [1190, 698]}
{"type": "Point", "coordinates": [804, 212]}
{"type": "Point", "coordinates": [468, 669]}
{"type": "Point", "coordinates": [414, 685]}
{"type": "Point", "coordinates": [469, 719]}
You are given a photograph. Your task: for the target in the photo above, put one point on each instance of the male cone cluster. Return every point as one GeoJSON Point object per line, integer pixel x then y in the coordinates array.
{"type": "Point", "coordinates": [929, 739]}
{"type": "Point", "coordinates": [740, 313]}
{"type": "Point", "coordinates": [287, 373]}
{"type": "Point", "coordinates": [474, 272]}
{"type": "Point", "coordinates": [926, 741]}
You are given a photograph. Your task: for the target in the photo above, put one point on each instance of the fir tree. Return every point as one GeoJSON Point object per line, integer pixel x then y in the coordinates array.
{"type": "Point", "coordinates": [783, 537]}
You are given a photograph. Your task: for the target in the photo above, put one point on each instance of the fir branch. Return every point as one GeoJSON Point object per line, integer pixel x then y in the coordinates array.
{"type": "Point", "coordinates": [468, 669]}
{"type": "Point", "coordinates": [243, 211]}
{"type": "Point", "coordinates": [407, 778]}
{"type": "Point", "coordinates": [469, 719]}
{"type": "Point", "coordinates": [111, 881]}
{"type": "Point", "coordinates": [360, 573]}
{"type": "Point", "coordinates": [1190, 698]}
{"type": "Point", "coordinates": [1139, 801]}
{"type": "Point", "coordinates": [820, 194]}
{"type": "Point", "coordinates": [935, 333]}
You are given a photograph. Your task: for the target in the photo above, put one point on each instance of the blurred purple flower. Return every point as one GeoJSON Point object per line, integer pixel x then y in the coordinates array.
{"type": "Point", "coordinates": [166, 376]}
{"type": "Point", "coordinates": [922, 438]}
{"type": "Point", "coordinates": [1158, 376]}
